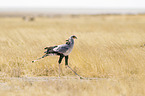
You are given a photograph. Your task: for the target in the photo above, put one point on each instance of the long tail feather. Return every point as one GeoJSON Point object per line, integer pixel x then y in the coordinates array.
{"type": "Point", "coordinates": [39, 58]}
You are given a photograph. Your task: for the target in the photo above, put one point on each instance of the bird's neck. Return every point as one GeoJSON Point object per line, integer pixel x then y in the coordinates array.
{"type": "Point", "coordinates": [72, 41]}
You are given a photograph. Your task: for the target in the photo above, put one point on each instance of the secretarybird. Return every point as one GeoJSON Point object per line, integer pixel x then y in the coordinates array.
{"type": "Point", "coordinates": [61, 50]}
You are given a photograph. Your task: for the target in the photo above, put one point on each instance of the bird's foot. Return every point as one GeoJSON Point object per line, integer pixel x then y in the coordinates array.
{"type": "Point", "coordinates": [81, 78]}
{"type": "Point", "coordinates": [59, 77]}
{"type": "Point", "coordinates": [66, 66]}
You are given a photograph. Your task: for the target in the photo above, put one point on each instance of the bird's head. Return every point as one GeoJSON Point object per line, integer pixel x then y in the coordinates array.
{"type": "Point", "coordinates": [73, 37]}
{"type": "Point", "coordinates": [69, 40]}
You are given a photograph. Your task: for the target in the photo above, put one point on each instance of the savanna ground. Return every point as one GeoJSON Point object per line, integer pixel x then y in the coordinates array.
{"type": "Point", "coordinates": [109, 48]}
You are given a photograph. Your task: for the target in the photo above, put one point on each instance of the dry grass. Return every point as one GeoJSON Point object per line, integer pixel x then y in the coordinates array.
{"type": "Point", "coordinates": [107, 47]}
{"type": "Point", "coordinates": [104, 87]}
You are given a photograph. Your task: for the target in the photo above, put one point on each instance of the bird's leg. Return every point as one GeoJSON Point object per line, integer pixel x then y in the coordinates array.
{"type": "Point", "coordinates": [66, 64]}
{"type": "Point", "coordinates": [73, 71]}
{"type": "Point", "coordinates": [66, 60]}
{"type": "Point", "coordinates": [60, 59]}
{"type": "Point", "coordinates": [39, 58]}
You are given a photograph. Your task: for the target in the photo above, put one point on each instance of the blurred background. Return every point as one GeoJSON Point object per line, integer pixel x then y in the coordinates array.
{"type": "Point", "coordinates": [55, 7]}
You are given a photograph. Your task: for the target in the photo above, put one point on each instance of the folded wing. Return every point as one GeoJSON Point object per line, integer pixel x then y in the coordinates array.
{"type": "Point", "coordinates": [61, 48]}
